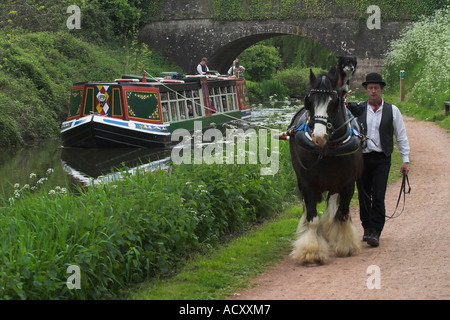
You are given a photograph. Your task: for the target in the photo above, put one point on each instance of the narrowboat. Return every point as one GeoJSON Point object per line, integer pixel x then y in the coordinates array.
{"type": "Point", "coordinates": [143, 112]}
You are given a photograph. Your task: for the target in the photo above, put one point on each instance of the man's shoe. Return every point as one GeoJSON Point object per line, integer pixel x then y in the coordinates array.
{"type": "Point", "coordinates": [366, 235]}
{"type": "Point", "coordinates": [374, 239]}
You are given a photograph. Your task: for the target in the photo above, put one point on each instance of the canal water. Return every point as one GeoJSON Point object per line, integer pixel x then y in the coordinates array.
{"type": "Point", "coordinates": [47, 164]}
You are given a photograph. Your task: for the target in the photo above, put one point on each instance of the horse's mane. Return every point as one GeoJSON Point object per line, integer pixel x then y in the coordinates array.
{"type": "Point", "coordinates": [322, 83]}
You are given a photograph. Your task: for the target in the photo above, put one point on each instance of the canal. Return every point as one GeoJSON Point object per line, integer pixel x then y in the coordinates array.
{"type": "Point", "coordinates": [48, 165]}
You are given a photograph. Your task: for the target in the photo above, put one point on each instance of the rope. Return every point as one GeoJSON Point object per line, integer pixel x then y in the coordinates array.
{"type": "Point", "coordinates": [405, 181]}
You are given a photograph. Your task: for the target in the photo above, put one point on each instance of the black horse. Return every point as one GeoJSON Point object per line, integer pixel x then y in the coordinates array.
{"type": "Point", "coordinates": [326, 155]}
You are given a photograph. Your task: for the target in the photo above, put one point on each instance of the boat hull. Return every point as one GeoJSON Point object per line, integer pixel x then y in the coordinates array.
{"type": "Point", "coordinates": [102, 132]}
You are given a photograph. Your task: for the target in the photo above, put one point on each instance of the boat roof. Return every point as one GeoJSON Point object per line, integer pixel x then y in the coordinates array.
{"type": "Point", "coordinates": [185, 83]}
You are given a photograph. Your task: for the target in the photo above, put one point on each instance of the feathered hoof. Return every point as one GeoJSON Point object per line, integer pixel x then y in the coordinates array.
{"type": "Point", "coordinates": [310, 249]}
{"type": "Point", "coordinates": [344, 240]}
{"type": "Point", "coordinates": [309, 258]}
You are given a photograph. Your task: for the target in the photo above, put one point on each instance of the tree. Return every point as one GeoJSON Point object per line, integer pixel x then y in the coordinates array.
{"type": "Point", "coordinates": [260, 62]}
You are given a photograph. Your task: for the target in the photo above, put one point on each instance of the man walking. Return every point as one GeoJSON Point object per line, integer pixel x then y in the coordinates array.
{"type": "Point", "coordinates": [381, 121]}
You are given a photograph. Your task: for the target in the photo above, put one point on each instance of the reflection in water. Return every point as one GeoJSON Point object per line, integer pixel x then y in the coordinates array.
{"type": "Point", "coordinates": [27, 165]}
{"type": "Point", "coordinates": [89, 166]}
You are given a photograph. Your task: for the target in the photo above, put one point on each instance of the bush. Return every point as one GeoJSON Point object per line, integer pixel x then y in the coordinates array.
{"type": "Point", "coordinates": [423, 54]}
{"type": "Point", "coordinates": [265, 90]}
{"type": "Point", "coordinates": [120, 233]}
{"type": "Point", "coordinates": [260, 61]}
{"type": "Point", "coordinates": [296, 81]}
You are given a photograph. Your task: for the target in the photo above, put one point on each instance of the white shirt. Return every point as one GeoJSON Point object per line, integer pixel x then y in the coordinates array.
{"type": "Point", "coordinates": [231, 70]}
{"type": "Point", "coordinates": [373, 124]}
{"type": "Point", "coordinates": [200, 70]}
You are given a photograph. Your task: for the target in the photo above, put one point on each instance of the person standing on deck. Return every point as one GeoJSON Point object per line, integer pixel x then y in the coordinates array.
{"type": "Point", "coordinates": [202, 68]}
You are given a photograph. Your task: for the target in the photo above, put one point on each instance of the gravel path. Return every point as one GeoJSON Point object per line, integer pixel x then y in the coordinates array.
{"type": "Point", "coordinates": [412, 260]}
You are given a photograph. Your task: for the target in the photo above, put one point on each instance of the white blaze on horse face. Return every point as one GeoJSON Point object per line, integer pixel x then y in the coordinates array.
{"type": "Point", "coordinates": [319, 136]}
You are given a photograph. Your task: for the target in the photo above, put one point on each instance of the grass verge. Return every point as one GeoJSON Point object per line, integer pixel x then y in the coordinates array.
{"type": "Point", "coordinates": [217, 274]}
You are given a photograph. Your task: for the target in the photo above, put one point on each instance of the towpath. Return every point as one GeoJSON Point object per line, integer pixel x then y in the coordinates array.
{"type": "Point", "coordinates": [413, 258]}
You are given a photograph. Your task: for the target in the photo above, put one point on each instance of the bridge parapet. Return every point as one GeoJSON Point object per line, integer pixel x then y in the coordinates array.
{"type": "Point", "coordinates": [188, 33]}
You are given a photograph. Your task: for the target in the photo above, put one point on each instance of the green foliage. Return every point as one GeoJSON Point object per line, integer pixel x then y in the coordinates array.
{"type": "Point", "coordinates": [267, 90]}
{"type": "Point", "coordinates": [296, 80]}
{"type": "Point", "coordinates": [423, 54]}
{"type": "Point", "coordinates": [121, 233]}
{"type": "Point", "coordinates": [260, 61]}
{"type": "Point", "coordinates": [217, 274]}
{"type": "Point", "coordinates": [38, 69]}
{"type": "Point", "coordinates": [298, 52]}
{"type": "Point", "coordinates": [292, 78]}
{"type": "Point", "coordinates": [101, 19]}
{"type": "Point", "coordinates": [228, 10]}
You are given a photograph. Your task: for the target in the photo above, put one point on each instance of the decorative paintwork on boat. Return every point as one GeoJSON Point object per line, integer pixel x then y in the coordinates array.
{"type": "Point", "coordinates": [137, 112]}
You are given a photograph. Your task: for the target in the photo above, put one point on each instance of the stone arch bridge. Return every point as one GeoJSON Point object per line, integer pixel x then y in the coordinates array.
{"type": "Point", "coordinates": [186, 37]}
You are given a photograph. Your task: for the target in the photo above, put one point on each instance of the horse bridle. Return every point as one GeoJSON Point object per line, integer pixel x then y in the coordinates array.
{"type": "Point", "coordinates": [326, 121]}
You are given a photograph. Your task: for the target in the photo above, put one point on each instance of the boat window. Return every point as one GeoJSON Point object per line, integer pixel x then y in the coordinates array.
{"type": "Point", "coordinates": [190, 109]}
{"type": "Point", "coordinates": [224, 104]}
{"type": "Point", "coordinates": [183, 104]}
{"type": "Point", "coordinates": [143, 104]}
{"type": "Point", "coordinates": [182, 108]}
{"type": "Point", "coordinates": [164, 96]}
{"type": "Point", "coordinates": [165, 111]}
{"type": "Point", "coordinates": [75, 102]}
{"type": "Point", "coordinates": [173, 111]}
{"type": "Point", "coordinates": [198, 108]}
{"type": "Point", "coordinates": [218, 104]}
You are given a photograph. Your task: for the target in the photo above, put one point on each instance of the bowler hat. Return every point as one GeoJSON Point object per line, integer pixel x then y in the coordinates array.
{"type": "Point", "coordinates": [374, 78]}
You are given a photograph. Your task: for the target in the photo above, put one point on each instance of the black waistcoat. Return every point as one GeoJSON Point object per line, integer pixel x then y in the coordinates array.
{"type": "Point", "coordinates": [386, 128]}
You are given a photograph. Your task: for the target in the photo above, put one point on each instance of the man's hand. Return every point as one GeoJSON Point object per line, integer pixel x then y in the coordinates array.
{"type": "Point", "coordinates": [405, 168]}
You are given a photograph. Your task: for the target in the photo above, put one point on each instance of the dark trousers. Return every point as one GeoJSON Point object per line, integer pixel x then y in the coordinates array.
{"type": "Point", "coordinates": [372, 190]}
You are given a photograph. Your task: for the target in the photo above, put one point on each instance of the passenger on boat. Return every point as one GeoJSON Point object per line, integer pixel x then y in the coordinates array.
{"type": "Point", "coordinates": [202, 68]}
{"type": "Point", "coordinates": [236, 69]}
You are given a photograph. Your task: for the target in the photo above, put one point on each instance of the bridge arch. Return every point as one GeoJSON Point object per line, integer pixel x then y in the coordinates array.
{"type": "Point", "coordinates": [185, 42]}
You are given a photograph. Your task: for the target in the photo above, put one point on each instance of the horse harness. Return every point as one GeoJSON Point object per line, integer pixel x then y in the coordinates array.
{"type": "Point", "coordinates": [326, 121]}
{"type": "Point", "coordinates": [301, 130]}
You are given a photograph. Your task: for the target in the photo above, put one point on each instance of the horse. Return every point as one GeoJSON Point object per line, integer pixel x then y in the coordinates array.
{"type": "Point", "coordinates": [326, 156]}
